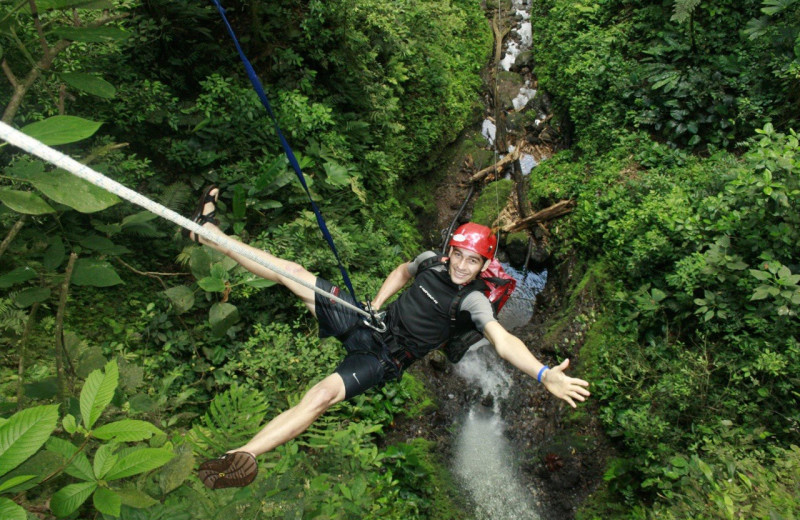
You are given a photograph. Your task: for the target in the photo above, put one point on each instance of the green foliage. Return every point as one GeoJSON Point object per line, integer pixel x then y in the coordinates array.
{"type": "Point", "coordinates": [491, 201]}
{"type": "Point", "coordinates": [232, 419]}
{"type": "Point", "coordinates": [699, 327]}
{"type": "Point", "coordinates": [758, 482]}
{"type": "Point", "coordinates": [24, 433]}
{"type": "Point", "coordinates": [683, 71]}
{"type": "Point", "coordinates": [366, 92]}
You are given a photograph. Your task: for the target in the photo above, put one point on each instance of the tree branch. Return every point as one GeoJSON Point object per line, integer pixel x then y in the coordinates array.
{"type": "Point", "coordinates": [10, 74]}
{"type": "Point", "coordinates": [499, 166]}
{"type": "Point", "coordinates": [556, 210]}
{"type": "Point", "coordinates": [44, 64]}
{"type": "Point", "coordinates": [13, 233]}
{"type": "Point", "coordinates": [23, 342]}
{"type": "Point", "coordinates": [38, 24]}
{"type": "Point", "coordinates": [59, 332]}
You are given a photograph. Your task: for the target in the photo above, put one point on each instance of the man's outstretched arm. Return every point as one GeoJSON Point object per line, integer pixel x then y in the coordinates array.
{"type": "Point", "coordinates": [513, 350]}
{"type": "Point", "coordinates": [396, 280]}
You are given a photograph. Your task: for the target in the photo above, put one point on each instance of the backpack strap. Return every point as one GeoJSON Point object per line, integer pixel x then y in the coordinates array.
{"type": "Point", "coordinates": [476, 285]}
{"type": "Point", "coordinates": [430, 262]}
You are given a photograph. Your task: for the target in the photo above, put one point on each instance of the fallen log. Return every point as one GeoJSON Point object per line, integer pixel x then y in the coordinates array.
{"type": "Point", "coordinates": [556, 210]}
{"type": "Point", "coordinates": [498, 166]}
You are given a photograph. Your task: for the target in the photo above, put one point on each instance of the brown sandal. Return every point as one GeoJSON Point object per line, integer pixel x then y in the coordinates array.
{"type": "Point", "coordinates": [200, 218]}
{"type": "Point", "coordinates": [236, 469]}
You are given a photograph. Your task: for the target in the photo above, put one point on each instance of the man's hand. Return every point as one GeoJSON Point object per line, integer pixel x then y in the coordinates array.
{"type": "Point", "coordinates": [564, 387]}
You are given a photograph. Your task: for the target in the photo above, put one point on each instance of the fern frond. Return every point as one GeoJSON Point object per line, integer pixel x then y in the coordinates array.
{"type": "Point", "coordinates": [231, 420]}
{"type": "Point", "coordinates": [683, 10]}
{"type": "Point", "coordinates": [11, 318]}
{"type": "Point", "coordinates": [176, 196]}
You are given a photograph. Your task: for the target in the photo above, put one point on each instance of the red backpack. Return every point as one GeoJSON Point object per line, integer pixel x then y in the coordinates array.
{"type": "Point", "coordinates": [498, 288]}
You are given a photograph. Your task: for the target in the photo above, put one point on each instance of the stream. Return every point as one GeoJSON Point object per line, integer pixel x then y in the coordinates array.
{"type": "Point", "coordinates": [485, 462]}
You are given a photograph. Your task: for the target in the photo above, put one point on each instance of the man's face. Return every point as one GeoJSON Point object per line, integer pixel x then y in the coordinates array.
{"type": "Point", "coordinates": [465, 265]}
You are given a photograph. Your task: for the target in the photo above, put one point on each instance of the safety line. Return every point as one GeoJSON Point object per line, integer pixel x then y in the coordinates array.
{"type": "Point", "coordinates": [251, 74]}
{"type": "Point", "coordinates": [41, 150]}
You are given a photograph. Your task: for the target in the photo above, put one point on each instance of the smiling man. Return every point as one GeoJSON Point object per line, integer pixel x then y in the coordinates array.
{"type": "Point", "coordinates": [417, 323]}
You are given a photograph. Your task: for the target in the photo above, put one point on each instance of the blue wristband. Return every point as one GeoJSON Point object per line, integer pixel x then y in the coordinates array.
{"type": "Point", "coordinates": [541, 371]}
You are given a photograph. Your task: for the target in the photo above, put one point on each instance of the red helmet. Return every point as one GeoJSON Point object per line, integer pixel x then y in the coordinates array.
{"type": "Point", "coordinates": [476, 238]}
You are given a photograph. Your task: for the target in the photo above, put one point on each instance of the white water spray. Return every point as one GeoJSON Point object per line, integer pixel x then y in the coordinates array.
{"type": "Point", "coordinates": [485, 461]}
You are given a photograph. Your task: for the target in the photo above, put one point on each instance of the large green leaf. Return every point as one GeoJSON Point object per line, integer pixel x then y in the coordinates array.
{"type": "Point", "coordinates": [104, 460]}
{"type": "Point", "coordinates": [336, 174]}
{"type": "Point", "coordinates": [54, 254]}
{"type": "Point", "coordinates": [46, 5]}
{"type": "Point", "coordinates": [259, 283]}
{"type": "Point", "coordinates": [182, 298]}
{"type": "Point", "coordinates": [18, 275]}
{"type": "Point", "coordinates": [126, 430]}
{"type": "Point", "coordinates": [11, 511]}
{"type": "Point", "coordinates": [211, 284]}
{"type": "Point", "coordinates": [68, 499]}
{"type": "Point", "coordinates": [98, 390]}
{"type": "Point", "coordinates": [200, 262]}
{"type": "Point", "coordinates": [91, 35]}
{"type": "Point", "coordinates": [57, 130]}
{"type": "Point", "coordinates": [103, 245]}
{"type": "Point", "coordinates": [132, 497]}
{"type": "Point", "coordinates": [90, 272]}
{"type": "Point", "coordinates": [137, 219]}
{"type": "Point", "coordinates": [80, 467]}
{"type": "Point", "coordinates": [107, 502]}
{"type": "Point", "coordinates": [222, 316]}
{"type": "Point", "coordinates": [24, 433]}
{"type": "Point", "coordinates": [139, 461]}
{"type": "Point", "coordinates": [90, 84]}
{"type": "Point", "coordinates": [25, 202]}
{"type": "Point", "coordinates": [43, 464]}
{"type": "Point", "coordinates": [67, 189]}
{"type": "Point", "coordinates": [27, 297]}
{"type": "Point", "coordinates": [176, 471]}
{"type": "Point", "coordinates": [15, 481]}
{"type": "Point", "coordinates": [43, 389]}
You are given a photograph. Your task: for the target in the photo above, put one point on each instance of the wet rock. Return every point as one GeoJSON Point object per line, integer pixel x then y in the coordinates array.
{"type": "Point", "coordinates": [488, 401]}
{"type": "Point", "coordinates": [539, 257]}
{"type": "Point", "coordinates": [515, 123]}
{"type": "Point", "coordinates": [508, 87]}
{"type": "Point", "coordinates": [516, 247]}
{"type": "Point", "coordinates": [524, 60]}
{"type": "Point", "coordinates": [438, 362]}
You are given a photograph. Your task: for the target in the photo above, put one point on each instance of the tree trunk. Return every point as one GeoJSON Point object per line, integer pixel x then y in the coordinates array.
{"type": "Point", "coordinates": [556, 210]}
{"type": "Point", "coordinates": [60, 351]}
{"type": "Point", "coordinates": [23, 341]}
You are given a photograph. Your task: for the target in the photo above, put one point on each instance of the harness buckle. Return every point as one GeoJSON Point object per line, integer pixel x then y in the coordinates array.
{"type": "Point", "coordinates": [376, 319]}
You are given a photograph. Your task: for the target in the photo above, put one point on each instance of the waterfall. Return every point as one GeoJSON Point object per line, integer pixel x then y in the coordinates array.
{"type": "Point", "coordinates": [485, 462]}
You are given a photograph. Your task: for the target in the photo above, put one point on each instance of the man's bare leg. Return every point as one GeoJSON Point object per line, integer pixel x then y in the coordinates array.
{"type": "Point", "coordinates": [296, 270]}
{"type": "Point", "coordinates": [297, 419]}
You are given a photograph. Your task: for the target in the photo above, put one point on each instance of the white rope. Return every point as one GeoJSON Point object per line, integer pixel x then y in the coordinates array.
{"type": "Point", "coordinates": [41, 150]}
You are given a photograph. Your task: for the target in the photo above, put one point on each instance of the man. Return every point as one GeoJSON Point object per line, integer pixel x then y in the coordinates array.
{"type": "Point", "coordinates": [417, 322]}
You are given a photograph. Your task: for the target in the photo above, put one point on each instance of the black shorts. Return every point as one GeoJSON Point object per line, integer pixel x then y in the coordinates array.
{"type": "Point", "coordinates": [362, 367]}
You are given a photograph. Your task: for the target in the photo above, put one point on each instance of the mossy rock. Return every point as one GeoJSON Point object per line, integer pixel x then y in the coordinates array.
{"type": "Point", "coordinates": [508, 85]}
{"type": "Point", "coordinates": [491, 201]}
{"type": "Point", "coordinates": [520, 237]}
{"type": "Point", "coordinates": [505, 5]}
{"type": "Point", "coordinates": [474, 145]}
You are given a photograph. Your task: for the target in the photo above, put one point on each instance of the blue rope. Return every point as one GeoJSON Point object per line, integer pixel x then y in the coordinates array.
{"type": "Point", "coordinates": [286, 148]}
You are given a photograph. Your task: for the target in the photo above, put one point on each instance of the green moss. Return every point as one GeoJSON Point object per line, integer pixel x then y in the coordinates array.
{"type": "Point", "coordinates": [421, 401]}
{"type": "Point", "coordinates": [521, 237]}
{"type": "Point", "coordinates": [491, 200]}
{"type": "Point", "coordinates": [602, 505]}
{"type": "Point", "coordinates": [427, 473]}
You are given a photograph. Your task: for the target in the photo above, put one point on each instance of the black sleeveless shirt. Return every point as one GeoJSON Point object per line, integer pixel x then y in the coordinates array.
{"type": "Point", "coordinates": [420, 317]}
